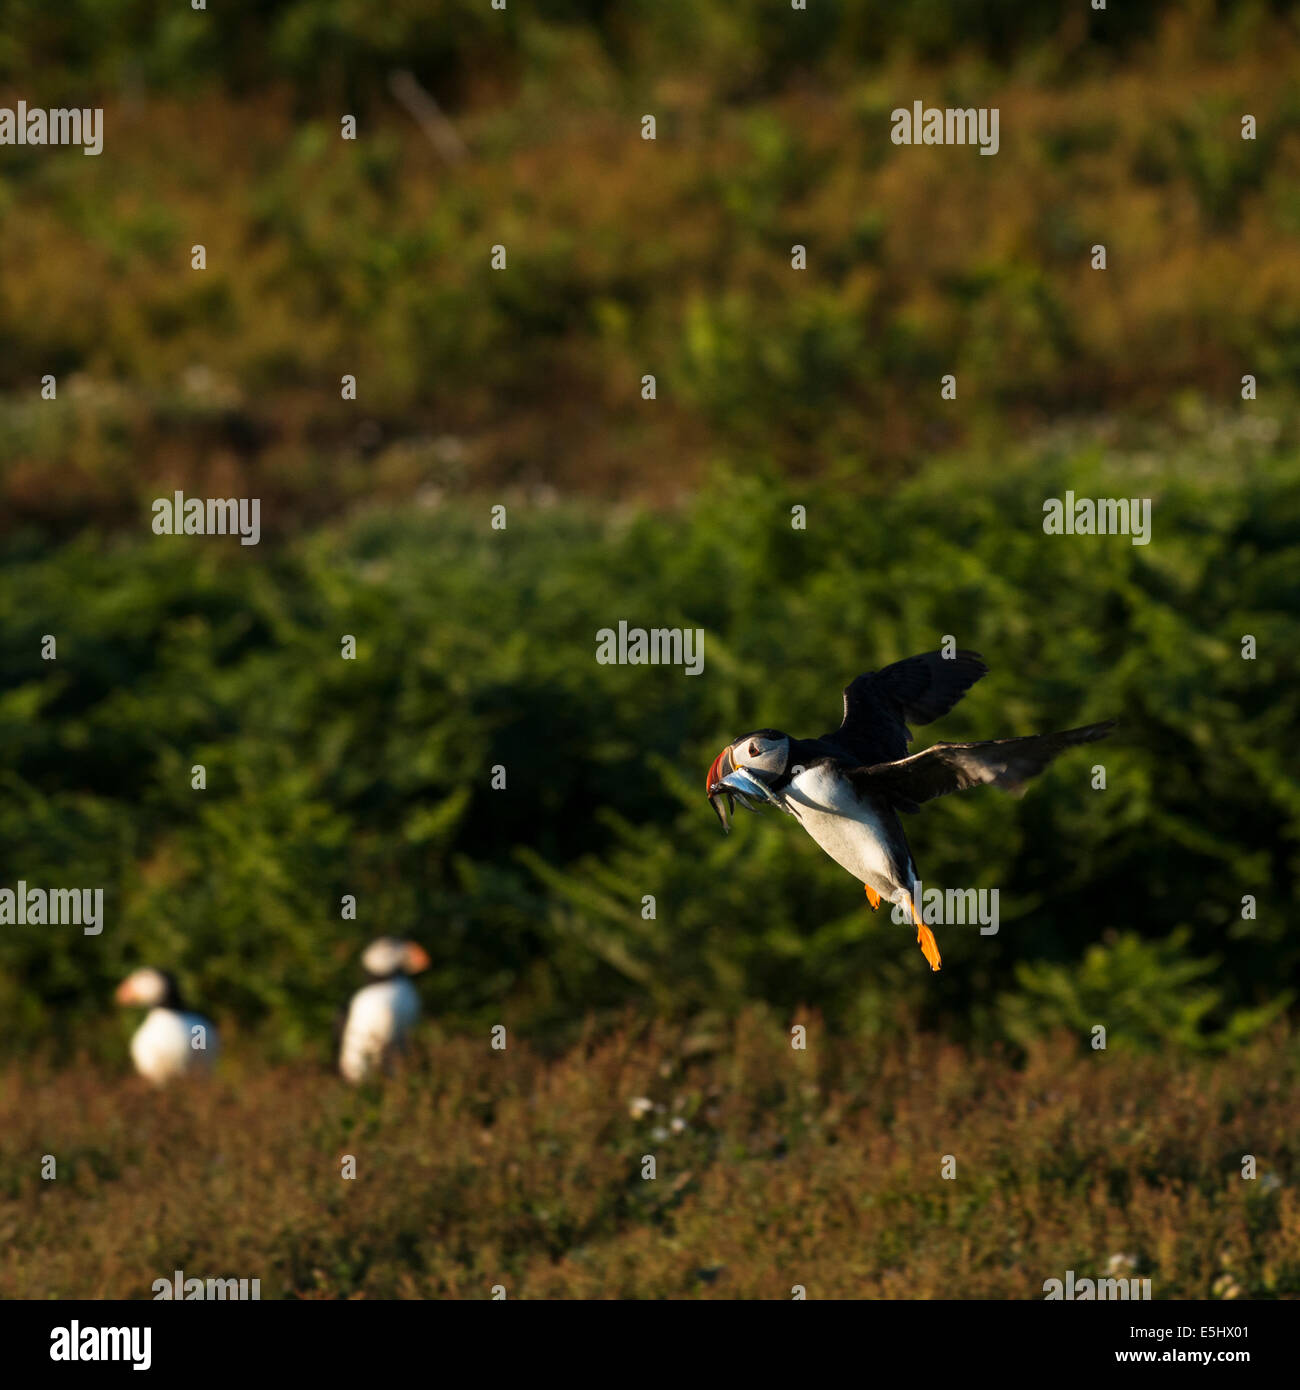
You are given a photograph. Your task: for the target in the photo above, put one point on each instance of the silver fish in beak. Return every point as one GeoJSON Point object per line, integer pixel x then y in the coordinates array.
{"type": "Point", "coordinates": [728, 782]}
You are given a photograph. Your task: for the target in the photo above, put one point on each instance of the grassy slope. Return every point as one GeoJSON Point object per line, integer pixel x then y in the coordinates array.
{"type": "Point", "coordinates": [629, 257]}
{"type": "Point", "coordinates": [819, 1168]}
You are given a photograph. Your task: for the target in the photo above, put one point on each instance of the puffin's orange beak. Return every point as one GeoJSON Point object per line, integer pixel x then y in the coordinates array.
{"type": "Point", "coordinates": [125, 993]}
{"type": "Point", "coordinates": [723, 765]}
{"type": "Point", "coordinates": [417, 958]}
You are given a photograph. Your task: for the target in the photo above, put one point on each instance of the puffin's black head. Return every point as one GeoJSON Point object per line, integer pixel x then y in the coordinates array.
{"type": "Point", "coordinates": [745, 770]}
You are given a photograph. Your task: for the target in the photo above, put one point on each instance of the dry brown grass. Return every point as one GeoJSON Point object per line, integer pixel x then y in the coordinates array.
{"type": "Point", "coordinates": [819, 1168]}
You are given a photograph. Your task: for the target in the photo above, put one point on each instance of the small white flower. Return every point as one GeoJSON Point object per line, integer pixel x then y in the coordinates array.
{"type": "Point", "coordinates": [678, 1125]}
{"type": "Point", "coordinates": [640, 1106]}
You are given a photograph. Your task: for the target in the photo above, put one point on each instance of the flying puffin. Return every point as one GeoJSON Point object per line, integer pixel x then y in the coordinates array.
{"type": "Point", "coordinates": [384, 1011]}
{"type": "Point", "coordinates": [171, 1041]}
{"type": "Point", "coordinates": [846, 788]}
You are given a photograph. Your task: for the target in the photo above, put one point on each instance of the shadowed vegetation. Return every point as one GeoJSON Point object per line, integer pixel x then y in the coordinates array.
{"type": "Point", "coordinates": [477, 650]}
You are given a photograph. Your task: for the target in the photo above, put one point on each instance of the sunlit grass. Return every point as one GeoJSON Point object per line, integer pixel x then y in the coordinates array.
{"type": "Point", "coordinates": [774, 1168]}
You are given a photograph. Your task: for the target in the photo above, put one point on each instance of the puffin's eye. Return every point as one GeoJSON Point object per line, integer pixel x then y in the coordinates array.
{"type": "Point", "coordinates": [753, 750]}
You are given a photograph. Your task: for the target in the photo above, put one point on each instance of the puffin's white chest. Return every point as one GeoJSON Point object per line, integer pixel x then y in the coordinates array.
{"type": "Point", "coordinates": [379, 1018]}
{"type": "Point", "coordinates": [167, 1044]}
{"type": "Point", "coordinates": [847, 829]}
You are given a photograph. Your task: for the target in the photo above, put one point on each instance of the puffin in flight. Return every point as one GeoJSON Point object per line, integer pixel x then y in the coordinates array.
{"type": "Point", "coordinates": [846, 788]}
{"type": "Point", "coordinates": [171, 1041]}
{"type": "Point", "coordinates": [383, 1012]}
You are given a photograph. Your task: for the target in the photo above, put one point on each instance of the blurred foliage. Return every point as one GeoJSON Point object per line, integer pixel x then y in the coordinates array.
{"type": "Point", "coordinates": [774, 388]}
{"type": "Point", "coordinates": [626, 257]}
{"type": "Point", "coordinates": [328, 46]}
{"type": "Point", "coordinates": [477, 1168]}
{"type": "Point", "coordinates": [1146, 992]}
{"type": "Point", "coordinates": [476, 649]}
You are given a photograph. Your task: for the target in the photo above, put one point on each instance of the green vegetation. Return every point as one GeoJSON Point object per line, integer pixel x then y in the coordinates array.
{"type": "Point", "coordinates": [477, 648]}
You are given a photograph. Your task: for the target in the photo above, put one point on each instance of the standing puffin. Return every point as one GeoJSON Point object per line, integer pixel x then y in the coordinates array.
{"type": "Point", "coordinates": [846, 788]}
{"type": "Point", "coordinates": [171, 1041]}
{"type": "Point", "coordinates": [384, 1011]}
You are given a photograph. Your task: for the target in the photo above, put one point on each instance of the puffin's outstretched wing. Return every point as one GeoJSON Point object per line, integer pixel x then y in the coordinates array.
{"type": "Point", "coordinates": [952, 767]}
{"type": "Point", "coordinates": [879, 705]}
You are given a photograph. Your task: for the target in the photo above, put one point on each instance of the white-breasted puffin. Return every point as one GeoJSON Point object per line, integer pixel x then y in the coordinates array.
{"type": "Point", "coordinates": [383, 1012]}
{"type": "Point", "coordinates": [846, 788]}
{"type": "Point", "coordinates": [172, 1041]}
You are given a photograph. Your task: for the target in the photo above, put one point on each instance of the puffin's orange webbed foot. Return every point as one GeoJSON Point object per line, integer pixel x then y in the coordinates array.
{"type": "Point", "coordinates": [925, 938]}
{"type": "Point", "coordinates": [872, 897]}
